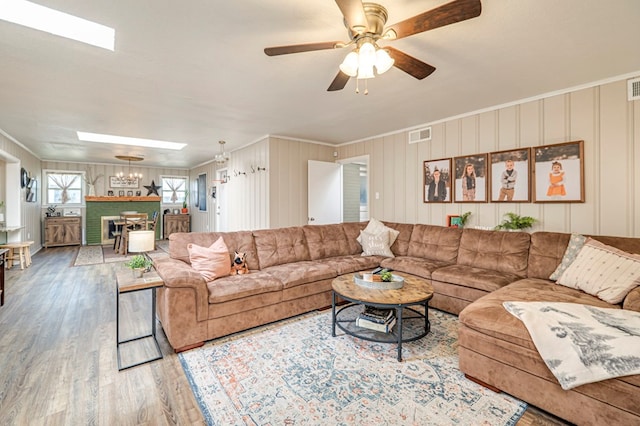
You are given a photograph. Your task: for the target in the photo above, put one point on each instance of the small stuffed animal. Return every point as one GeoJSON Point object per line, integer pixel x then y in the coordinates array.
{"type": "Point", "coordinates": [239, 264]}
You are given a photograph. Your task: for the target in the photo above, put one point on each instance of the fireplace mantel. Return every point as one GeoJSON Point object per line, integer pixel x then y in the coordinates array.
{"type": "Point", "coordinates": [106, 198]}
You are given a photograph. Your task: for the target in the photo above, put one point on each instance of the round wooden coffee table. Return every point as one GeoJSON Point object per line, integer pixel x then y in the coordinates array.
{"type": "Point", "coordinates": [415, 292]}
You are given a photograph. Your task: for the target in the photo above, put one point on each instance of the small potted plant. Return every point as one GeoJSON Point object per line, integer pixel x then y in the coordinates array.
{"type": "Point", "coordinates": [185, 209]}
{"type": "Point", "coordinates": [464, 217]}
{"type": "Point", "coordinates": [515, 222]}
{"type": "Point", "coordinates": [139, 264]}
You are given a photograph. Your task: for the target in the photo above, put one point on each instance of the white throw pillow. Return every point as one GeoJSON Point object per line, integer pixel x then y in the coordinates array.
{"type": "Point", "coordinates": [375, 227]}
{"type": "Point", "coordinates": [375, 244]}
{"type": "Point", "coordinates": [603, 271]}
{"type": "Point", "coordinates": [576, 242]}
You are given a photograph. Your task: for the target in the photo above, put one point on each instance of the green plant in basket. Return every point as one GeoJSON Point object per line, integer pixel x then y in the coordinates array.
{"type": "Point", "coordinates": [386, 276]}
{"type": "Point", "coordinates": [139, 262]}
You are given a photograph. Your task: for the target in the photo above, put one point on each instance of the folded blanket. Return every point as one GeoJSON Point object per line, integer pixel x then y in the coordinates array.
{"type": "Point", "coordinates": [582, 344]}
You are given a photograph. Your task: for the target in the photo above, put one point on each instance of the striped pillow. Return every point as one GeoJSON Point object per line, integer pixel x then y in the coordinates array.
{"type": "Point", "coordinates": [603, 271]}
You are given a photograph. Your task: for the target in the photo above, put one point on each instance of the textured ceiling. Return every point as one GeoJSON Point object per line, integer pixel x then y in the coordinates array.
{"type": "Point", "coordinates": [195, 72]}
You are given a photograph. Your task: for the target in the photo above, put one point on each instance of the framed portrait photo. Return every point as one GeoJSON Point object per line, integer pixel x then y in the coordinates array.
{"type": "Point", "coordinates": [454, 221]}
{"type": "Point", "coordinates": [470, 178]}
{"type": "Point", "coordinates": [509, 173]}
{"type": "Point", "coordinates": [558, 173]}
{"type": "Point", "coordinates": [437, 181]}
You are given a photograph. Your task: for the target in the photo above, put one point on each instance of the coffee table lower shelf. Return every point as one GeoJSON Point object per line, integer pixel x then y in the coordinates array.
{"type": "Point", "coordinates": [345, 317]}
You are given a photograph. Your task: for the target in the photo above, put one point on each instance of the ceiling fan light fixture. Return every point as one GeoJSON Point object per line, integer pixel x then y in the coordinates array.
{"type": "Point", "coordinates": [366, 60]}
{"type": "Point", "coordinates": [383, 61]}
{"type": "Point", "coordinates": [350, 64]}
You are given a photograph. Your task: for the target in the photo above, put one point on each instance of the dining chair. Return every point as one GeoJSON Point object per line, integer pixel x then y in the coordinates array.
{"type": "Point", "coordinates": [132, 222]}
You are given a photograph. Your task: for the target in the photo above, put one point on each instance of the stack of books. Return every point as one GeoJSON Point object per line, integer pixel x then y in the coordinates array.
{"type": "Point", "coordinates": [377, 319]}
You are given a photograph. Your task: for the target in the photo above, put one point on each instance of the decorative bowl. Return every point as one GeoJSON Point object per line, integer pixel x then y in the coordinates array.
{"type": "Point", "coordinates": [395, 283]}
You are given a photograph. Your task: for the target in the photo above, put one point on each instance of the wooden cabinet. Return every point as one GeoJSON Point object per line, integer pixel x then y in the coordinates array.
{"type": "Point", "coordinates": [62, 231]}
{"type": "Point", "coordinates": [175, 223]}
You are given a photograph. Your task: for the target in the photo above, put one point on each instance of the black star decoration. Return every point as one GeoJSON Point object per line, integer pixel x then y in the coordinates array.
{"type": "Point", "coordinates": [153, 188]}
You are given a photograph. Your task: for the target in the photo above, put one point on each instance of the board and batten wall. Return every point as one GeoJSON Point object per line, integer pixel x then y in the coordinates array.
{"type": "Point", "coordinates": [600, 115]}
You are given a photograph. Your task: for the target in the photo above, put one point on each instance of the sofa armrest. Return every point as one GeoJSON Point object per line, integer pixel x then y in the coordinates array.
{"type": "Point", "coordinates": [178, 274]}
{"type": "Point", "coordinates": [632, 301]}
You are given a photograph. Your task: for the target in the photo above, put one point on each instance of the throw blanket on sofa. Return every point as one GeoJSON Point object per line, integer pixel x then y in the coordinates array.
{"type": "Point", "coordinates": [582, 344]}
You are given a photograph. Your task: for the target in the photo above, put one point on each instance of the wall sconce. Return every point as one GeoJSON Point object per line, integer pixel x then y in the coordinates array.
{"type": "Point", "coordinates": [260, 169]}
{"type": "Point", "coordinates": [237, 173]}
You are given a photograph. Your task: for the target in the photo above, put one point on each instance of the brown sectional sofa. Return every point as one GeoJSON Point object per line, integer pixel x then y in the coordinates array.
{"type": "Point", "coordinates": [472, 272]}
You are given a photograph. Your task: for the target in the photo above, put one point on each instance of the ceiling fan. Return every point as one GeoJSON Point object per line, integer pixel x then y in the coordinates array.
{"type": "Point", "coordinates": [365, 23]}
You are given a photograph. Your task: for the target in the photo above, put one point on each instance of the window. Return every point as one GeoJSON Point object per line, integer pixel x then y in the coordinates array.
{"type": "Point", "coordinates": [64, 187]}
{"type": "Point", "coordinates": [174, 189]}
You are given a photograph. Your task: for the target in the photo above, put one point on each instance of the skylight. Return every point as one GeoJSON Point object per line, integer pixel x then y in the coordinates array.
{"type": "Point", "coordinates": [42, 18]}
{"type": "Point", "coordinates": [123, 140]}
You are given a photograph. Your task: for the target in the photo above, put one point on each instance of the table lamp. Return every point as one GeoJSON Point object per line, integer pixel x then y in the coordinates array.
{"type": "Point", "coordinates": [141, 242]}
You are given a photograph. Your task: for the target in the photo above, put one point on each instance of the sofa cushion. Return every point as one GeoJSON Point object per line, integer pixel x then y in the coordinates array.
{"type": "Point", "coordinates": [326, 241]}
{"type": "Point", "coordinates": [603, 271]}
{"type": "Point", "coordinates": [376, 244]}
{"type": "Point", "coordinates": [545, 253]}
{"type": "Point", "coordinates": [241, 241]}
{"type": "Point", "coordinates": [352, 231]}
{"type": "Point", "coordinates": [498, 251]}
{"type": "Point", "coordinates": [280, 246]}
{"type": "Point", "coordinates": [238, 286]}
{"type": "Point", "coordinates": [437, 243]}
{"type": "Point", "coordinates": [478, 278]}
{"type": "Point", "coordinates": [212, 262]}
{"type": "Point", "coordinates": [401, 246]}
{"type": "Point", "coordinates": [297, 273]}
{"type": "Point", "coordinates": [352, 263]}
{"type": "Point", "coordinates": [413, 265]}
{"type": "Point", "coordinates": [576, 242]}
{"type": "Point", "coordinates": [488, 316]}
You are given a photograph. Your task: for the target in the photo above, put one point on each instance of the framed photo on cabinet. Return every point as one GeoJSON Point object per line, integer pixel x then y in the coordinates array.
{"type": "Point", "coordinates": [470, 178]}
{"type": "Point", "coordinates": [558, 173]}
{"type": "Point", "coordinates": [509, 176]}
{"type": "Point", "coordinates": [437, 181]}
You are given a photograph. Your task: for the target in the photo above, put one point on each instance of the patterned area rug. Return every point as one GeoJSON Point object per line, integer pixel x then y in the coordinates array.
{"type": "Point", "coordinates": [93, 255]}
{"type": "Point", "coordinates": [294, 373]}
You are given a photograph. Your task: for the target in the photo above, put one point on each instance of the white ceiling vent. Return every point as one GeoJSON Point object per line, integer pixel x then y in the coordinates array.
{"type": "Point", "coordinates": [633, 86]}
{"type": "Point", "coordinates": [420, 135]}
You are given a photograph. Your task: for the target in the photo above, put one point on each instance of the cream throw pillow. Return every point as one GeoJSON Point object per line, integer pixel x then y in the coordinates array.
{"type": "Point", "coordinates": [603, 271]}
{"type": "Point", "coordinates": [375, 227]}
{"type": "Point", "coordinates": [375, 244]}
{"type": "Point", "coordinates": [212, 262]}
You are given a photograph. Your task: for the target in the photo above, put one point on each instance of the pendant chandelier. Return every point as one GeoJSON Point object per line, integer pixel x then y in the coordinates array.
{"type": "Point", "coordinates": [222, 157]}
{"type": "Point", "coordinates": [131, 178]}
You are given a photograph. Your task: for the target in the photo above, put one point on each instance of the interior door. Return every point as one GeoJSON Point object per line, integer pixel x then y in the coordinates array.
{"type": "Point", "coordinates": [325, 193]}
{"type": "Point", "coordinates": [222, 221]}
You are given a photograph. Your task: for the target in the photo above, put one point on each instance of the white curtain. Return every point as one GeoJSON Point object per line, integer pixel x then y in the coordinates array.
{"type": "Point", "coordinates": [174, 187]}
{"type": "Point", "coordinates": [64, 182]}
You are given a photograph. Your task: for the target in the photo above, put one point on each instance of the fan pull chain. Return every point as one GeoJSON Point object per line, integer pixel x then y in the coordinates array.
{"type": "Point", "coordinates": [366, 87]}
{"type": "Point", "coordinates": [357, 82]}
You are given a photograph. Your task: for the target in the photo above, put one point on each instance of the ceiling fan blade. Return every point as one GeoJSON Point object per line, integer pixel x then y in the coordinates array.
{"type": "Point", "coordinates": [297, 48]}
{"type": "Point", "coordinates": [409, 64]}
{"type": "Point", "coordinates": [353, 12]}
{"type": "Point", "coordinates": [339, 82]}
{"type": "Point", "coordinates": [450, 13]}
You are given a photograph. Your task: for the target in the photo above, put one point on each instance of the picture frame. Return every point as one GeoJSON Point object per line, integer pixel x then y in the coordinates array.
{"type": "Point", "coordinates": [474, 188]}
{"type": "Point", "coordinates": [454, 221]}
{"type": "Point", "coordinates": [558, 173]}
{"type": "Point", "coordinates": [129, 193]}
{"type": "Point", "coordinates": [114, 182]}
{"type": "Point", "coordinates": [138, 193]}
{"type": "Point", "coordinates": [509, 176]}
{"type": "Point", "coordinates": [110, 193]}
{"type": "Point", "coordinates": [437, 192]}
{"type": "Point", "coordinates": [120, 193]}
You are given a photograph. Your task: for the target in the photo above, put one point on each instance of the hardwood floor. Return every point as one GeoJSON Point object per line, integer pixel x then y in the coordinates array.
{"type": "Point", "coordinates": [58, 355]}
